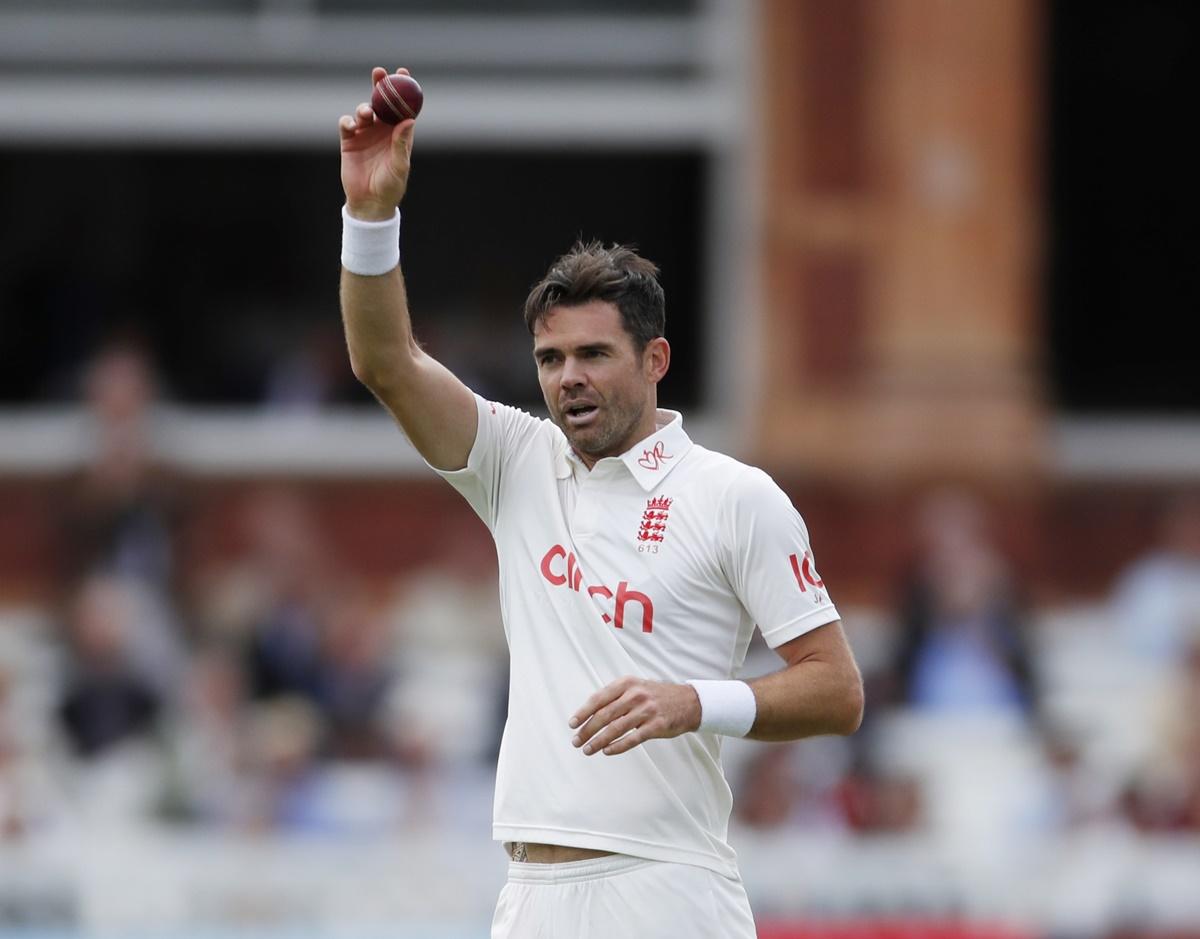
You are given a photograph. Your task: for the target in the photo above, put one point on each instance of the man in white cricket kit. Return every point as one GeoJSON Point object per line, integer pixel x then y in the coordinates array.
{"type": "Point", "coordinates": [634, 565]}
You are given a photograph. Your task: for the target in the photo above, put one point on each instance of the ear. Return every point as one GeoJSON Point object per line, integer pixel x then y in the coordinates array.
{"type": "Point", "coordinates": [656, 359]}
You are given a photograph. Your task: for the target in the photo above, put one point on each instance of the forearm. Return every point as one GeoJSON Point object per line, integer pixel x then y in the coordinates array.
{"type": "Point", "coordinates": [808, 698]}
{"type": "Point", "coordinates": [435, 409]}
{"type": "Point", "coordinates": [816, 695]}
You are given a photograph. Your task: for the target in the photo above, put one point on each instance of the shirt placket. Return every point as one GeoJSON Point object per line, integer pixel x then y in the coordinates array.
{"type": "Point", "coordinates": [587, 504]}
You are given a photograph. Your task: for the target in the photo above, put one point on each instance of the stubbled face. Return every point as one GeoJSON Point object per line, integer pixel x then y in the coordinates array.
{"type": "Point", "coordinates": [598, 388]}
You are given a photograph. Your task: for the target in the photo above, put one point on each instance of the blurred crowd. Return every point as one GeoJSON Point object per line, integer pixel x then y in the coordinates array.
{"type": "Point", "coordinates": [987, 717]}
{"type": "Point", "coordinates": [273, 689]}
{"type": "Point", "coordinates": [269, 689]}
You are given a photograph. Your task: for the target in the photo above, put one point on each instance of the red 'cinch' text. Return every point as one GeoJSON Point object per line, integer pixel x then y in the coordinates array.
{"type": "Point", "coordinates": [561, 569]}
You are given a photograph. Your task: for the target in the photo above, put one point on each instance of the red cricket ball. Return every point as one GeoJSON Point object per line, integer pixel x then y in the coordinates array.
{"type": "Point", "coordinates": [396, 98]}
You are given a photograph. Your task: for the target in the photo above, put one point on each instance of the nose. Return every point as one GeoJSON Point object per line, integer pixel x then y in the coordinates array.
{"type": "Point", "coordinates": [573, 374]}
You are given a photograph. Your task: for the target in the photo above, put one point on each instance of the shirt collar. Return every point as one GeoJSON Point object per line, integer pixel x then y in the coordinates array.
{"type": "Point", "coordinates": [649, 460]}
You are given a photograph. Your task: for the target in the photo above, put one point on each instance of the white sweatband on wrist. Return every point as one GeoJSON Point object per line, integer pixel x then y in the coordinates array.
{"type": "Point", "coordinates": [726, 707]}
{"type": "Point", "coordinates": [370, 248]}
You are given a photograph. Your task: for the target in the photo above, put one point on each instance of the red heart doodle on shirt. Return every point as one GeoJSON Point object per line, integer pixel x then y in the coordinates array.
{"type": "Point", "coordinates": [651, 458]}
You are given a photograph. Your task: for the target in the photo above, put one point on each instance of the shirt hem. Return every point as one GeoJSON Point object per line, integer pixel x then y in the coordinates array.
{"type": "Point", "coordinates": [576, 838]}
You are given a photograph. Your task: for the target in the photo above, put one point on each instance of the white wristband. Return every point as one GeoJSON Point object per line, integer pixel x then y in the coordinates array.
{"type": "Point", "coordinates": [726, 707]}
{"type": "Point", "coordinates": [370, 248]}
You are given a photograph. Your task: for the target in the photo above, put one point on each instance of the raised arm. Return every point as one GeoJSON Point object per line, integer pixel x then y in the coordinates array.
{"type": "Point", "coordinates": [435, 409]}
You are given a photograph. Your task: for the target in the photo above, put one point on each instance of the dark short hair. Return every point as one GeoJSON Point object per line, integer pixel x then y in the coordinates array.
{"type": "Point", "coordinates": [617, 274]}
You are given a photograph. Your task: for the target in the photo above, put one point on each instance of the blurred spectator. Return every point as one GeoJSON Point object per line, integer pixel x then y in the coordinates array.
{"type": "Point", "coordinates": [767, 790]}
{"type": "Point", "coordinates": [793, 784]}
{"type": "Point", "coordinates": [875, 802]}
{"type": "Point", "coordinates": [1074, 794]}
{"type": "Point", "coordinates": [288, 575]}
{"type": "Point", "coordinates": [292, 789]}
{"type": "Point", "coordinates": [962, 644]}
{"type": "Point", "coordinates": [32, 785]}
{"type": "Point", "coordinates": [315, 373]}
{"type": "Point", "coordinates": [307, 633]}
{"type": "Point", "coordinates": [283, 739]}
{"type": "Point", "coordinates": [207, 734]}
{"type": "Point", "coordinates": [449, 650]}
{"type": "Point", "coordinates": [119, 386]}
{"type": "Point", "coordinates": [122, 510]}
{"type": "Point", "coordinates": [12, 795]}
{"type": "Point", "coordinates": [1164, 795]}
{"type": "Point", "coordinates": [821, 784]}
{"type": "Point", "coordinates": [105, 701]}
{"type": "Point", "coordinates": [354, 678]}
{"type": "Point", "coordinates": [1157, 600]}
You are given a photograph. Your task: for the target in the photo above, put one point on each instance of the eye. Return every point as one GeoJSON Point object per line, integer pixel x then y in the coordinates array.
{"type": "Point", "coordinates": [548, 358]}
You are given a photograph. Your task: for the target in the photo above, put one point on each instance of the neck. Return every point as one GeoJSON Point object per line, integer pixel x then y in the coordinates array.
{"type": "Point", "coordinates": [647, 426]}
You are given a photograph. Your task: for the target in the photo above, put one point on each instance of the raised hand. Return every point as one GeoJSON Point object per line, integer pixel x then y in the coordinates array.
{"type": "Point", "coordinates": [375, 159]}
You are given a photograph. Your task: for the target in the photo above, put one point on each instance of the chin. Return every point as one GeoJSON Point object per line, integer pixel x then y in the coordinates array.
{"type": "Point", "coordinates": [595, 443]}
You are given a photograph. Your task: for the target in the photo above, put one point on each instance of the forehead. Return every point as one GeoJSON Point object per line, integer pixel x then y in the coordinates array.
{"type": "Point", "coordinates": [592, 322]}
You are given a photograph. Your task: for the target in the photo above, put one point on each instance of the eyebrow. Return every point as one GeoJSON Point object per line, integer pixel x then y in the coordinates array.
{"type": "Point", "coordinates": [538, 352]}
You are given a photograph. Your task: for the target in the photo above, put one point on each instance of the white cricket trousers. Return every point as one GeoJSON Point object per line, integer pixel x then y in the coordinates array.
{"type": "Point", "coordinates": [620, 896]}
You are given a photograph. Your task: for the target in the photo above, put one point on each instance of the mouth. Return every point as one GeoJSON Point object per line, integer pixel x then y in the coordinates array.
{"type": "Point", "coordinates": [580, 414]}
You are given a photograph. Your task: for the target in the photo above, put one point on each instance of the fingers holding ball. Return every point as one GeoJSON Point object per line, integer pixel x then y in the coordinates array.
{"type": "Point", "coordinates": [351, 124]}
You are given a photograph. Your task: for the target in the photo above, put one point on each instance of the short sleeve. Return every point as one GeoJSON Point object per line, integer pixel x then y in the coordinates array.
{"type": "Point", "coordinates": [769, 560]}
{"type": "Point", "coordinates": [503, 432]}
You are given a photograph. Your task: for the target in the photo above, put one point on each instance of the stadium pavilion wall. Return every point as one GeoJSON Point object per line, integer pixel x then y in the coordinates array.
{"type": "Point", "coordinates": [899, 345]}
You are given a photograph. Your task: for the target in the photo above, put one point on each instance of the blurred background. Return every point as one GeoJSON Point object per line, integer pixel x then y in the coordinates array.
{"type": "Point", "coordinates": [929, 262]}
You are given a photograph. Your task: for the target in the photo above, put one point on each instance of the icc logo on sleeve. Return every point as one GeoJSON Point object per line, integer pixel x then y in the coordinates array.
{"type": "Point", "coordinates": [806, 574]}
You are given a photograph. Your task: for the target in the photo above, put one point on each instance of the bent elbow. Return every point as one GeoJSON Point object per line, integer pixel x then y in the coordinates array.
{"type": "Point", "coordinates": [368, 369]}
{"type": "Point", "coordinates": [361, 371]}
{"type": "Point", "coordinates": [853, 706]}
{"type": "Point", "coordinates": [379, 373]}
{"type": "Point", "coordinates": [372, 378]}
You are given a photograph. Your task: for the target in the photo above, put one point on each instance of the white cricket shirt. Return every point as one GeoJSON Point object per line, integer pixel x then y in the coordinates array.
{"type": "Point", "coordinates": [657, 563]}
